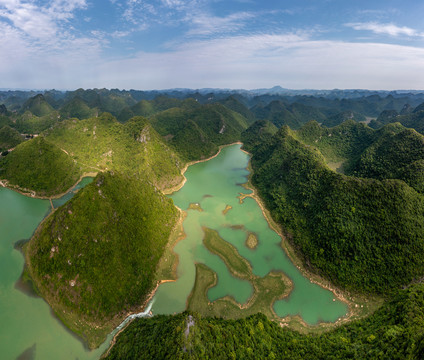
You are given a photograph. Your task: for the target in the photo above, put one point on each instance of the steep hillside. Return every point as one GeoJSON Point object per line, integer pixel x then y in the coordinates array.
{"type": "Point", "coordinates": [234, 104]}
{"type": "Point", "coordinates": [293, 115]}
{"type": "Point", "coordinates": [150, 107]}
{"type": "Point", "coordinates": [340, 145]}
{"type": "Point", "coordinates": [102, 143]}
{"type": "Point", "coordinates": [393, 332]}
{"type": "Point", "coordinates": [392, 155]}
{"type": "Point", "coordinates": [258, 133]}
{"type": "Point", "coordinates": [196, 133]}
{"type": "Point", "coordinates": [336, 119]}
{"type": "Point", "coordinates": [363, 234]}
{"type": "Point", "coordinates": [9, 138]}
{"type": "Point", "coordinates": [112, 101]}
{"type": "Point", "coordinates": [37, 105]}
{"type": "Point", "coordinates": [392, 152]}
{"type": "Point", "coordinates": [28, 123]}
{"type": "Point", "coordinates": [94, 258]}
{"type": "Point", "coordinates": [410, 119]}
{"type": "Point", "coordinates": [40, 166]}
{"type": "Point", "coordinates": [77, 108]}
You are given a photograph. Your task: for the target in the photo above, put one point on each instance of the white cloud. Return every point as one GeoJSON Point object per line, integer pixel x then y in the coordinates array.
{"type": "Point", "coordinates": [291, 60]}
{"type": "Point", "coordinates": [265, 60]}
{"type": "Point", "coordinates": [174, 3]}
{"type": "Point", "coordinates": [204, 24]}
{"type": "Point", "coordinates": [39, 42]}
{"type": "Point", "coordinates": [387, 29]}
{"type": "Point", "coordinates": [39, 21]}
{"type": "Point", "coordinates": [44, 52]}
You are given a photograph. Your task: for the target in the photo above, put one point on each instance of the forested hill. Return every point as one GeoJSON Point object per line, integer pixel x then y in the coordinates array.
{"type": "Point", "coordinates": [196, 132]}
{"type": "Point", "coordinates": [394, 332]}
{"type": "Point", "coordinates": [40, 166]}
{"type": "Point", "coordinates": [95, 257]}
{"type": "Point", "coordinates": [350, 199]}
{"type": "Point", "coordinates": [411, 118]}
{"type": "Point", "coordinates": [392, 152]}
{"type": "Point", "coordinates": [362, 233]}
{"type": "Point", "coordinates": [53, 162]}
{"type": "Point", "coordinates": [32, 112]}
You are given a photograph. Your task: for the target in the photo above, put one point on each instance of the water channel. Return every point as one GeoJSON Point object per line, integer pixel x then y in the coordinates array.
{"type": "Point", "coordinates": [29, 330]}
{"type": "Point", "coordinates": [214, 185]}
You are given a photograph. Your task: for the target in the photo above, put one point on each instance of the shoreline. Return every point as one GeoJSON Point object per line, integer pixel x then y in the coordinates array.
{"type": "Point", "coordinates": [175, 188]}
{"type": "Point", "coordinates": [353, 305]}
{"type": "Point", "coordinates": [143, 307]}
{"type": "Point", "coordinates": [33, 194]}
{"type": "Point", "coordinates": [179, 223]}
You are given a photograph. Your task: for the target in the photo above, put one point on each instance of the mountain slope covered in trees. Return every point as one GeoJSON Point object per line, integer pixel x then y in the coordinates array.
{"type": "Point", "coordinates": [95, 257]}
{"type": "Point", "coordinates": [363, 234]}
{"type": "Point", "coordinates": [394, 332]}
{"type": "Point", "coordinates": [40, 166]}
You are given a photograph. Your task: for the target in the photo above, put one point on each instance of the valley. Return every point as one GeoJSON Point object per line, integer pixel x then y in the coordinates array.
{"type": "Point", "coordinates": [314, 237]}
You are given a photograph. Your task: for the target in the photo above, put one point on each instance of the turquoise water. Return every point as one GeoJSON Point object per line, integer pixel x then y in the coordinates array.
{"type": "Point", "coordinates": [27, 323]}
{"type": "Point", "coordinates": [30, 328]}
{"type": "Point", "coordinates": [213, 185]}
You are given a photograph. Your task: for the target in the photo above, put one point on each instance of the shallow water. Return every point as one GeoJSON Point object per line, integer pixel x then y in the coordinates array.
{"type": "Point", "coordinates": [30, 329]}
{"type": "Point", "coordinates": [213, 185]}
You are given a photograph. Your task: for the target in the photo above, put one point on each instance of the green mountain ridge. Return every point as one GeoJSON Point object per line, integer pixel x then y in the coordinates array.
{"type": "Point", "coordinates": [196, 133]}
{"type": "Point", "coordinates": [350, 199]}
{"type": "Point", "coordinates": [102, 143]}
{"type": "Point", "coordinates": [293, 115]}
{"type": "Point", "coordinates": [9, 138]}
{"type": "Point", "coordinates": [40, 166]}
{"type": "Point", "coordinates": [362, 234]}
{"type": "Point", "coordinates": [37, 105]}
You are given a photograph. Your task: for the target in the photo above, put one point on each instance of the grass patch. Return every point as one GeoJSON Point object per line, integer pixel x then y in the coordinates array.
{"type": "Point", "coordinates": [251, 241]}
{"type": "Point", "coordinates": [271, 287]}
{"type": "Point", "coordinates": [227, 209]}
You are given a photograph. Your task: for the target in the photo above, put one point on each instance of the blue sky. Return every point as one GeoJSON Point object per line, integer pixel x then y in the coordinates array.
{"type": "Point", "coordinates": [159, 44]}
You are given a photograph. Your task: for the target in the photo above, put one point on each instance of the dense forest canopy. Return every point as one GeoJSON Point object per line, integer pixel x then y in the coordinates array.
{"type": "Point", "coordinates": [342, 173]}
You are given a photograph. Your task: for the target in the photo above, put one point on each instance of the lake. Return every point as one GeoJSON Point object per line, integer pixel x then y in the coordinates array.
{"type": "Point", "coordinates": [214, 185]}
{"type": "Point", "coordinates": [28, 326]}
{"type": "Point", "coordinates": [29, 329]}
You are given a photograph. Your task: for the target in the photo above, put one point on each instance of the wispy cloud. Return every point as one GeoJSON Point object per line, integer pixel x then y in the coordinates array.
{"type": "Point", "coordinates": [386, 29]}
{"type": "Point", "coordinates": [39, 40]}
{"type": "Point", "coordinates": [206, 24]}
{"type": "Point", "coordinates": [194, 15]}
{"type": "Point", "coordinates": [265, 60]}
{"type": "Point", "coordinates": [39, 21]}
{"type": "Point", "coordinates": [248, 61]}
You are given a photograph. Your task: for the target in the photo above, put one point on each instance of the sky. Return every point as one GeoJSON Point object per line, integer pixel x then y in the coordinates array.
{"type": "Point", "coordinates": [237, 44]}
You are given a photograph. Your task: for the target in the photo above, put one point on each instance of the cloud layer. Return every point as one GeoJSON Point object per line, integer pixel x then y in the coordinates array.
{"type": "Point", "coordinates": [44, 45]}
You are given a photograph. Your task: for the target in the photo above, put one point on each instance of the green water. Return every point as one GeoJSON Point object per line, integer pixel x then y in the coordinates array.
{"type": "Point", "coordinates": [27, 323]}
{"type": "Point", "coordinates": [84, 181]}
{"type": "Point", "coordinates": [214, 185]}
